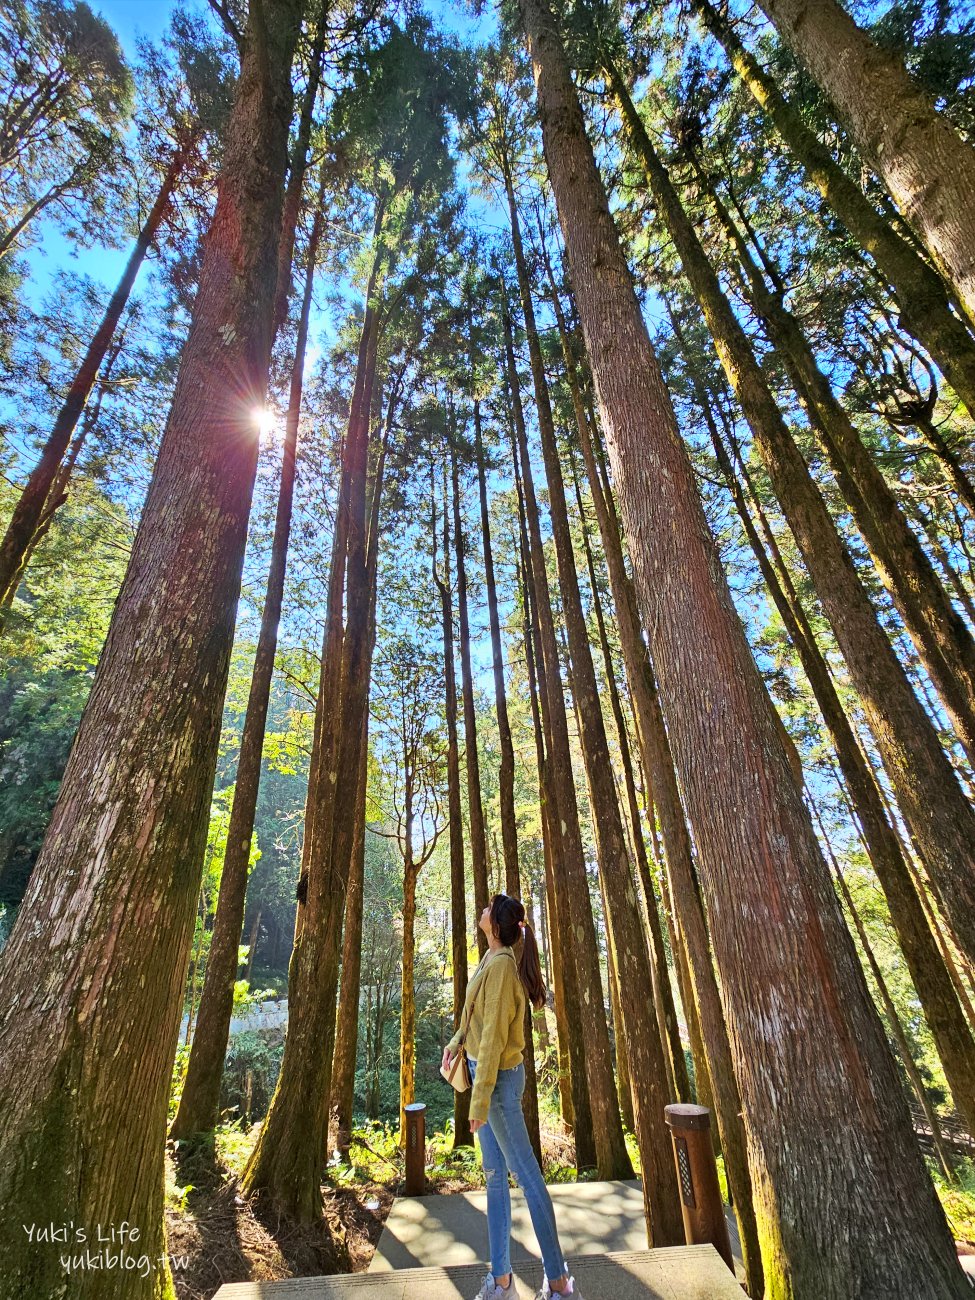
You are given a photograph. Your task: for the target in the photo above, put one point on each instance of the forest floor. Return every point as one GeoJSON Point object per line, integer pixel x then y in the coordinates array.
{"type": "Point", "coordinates": [217, 1235]}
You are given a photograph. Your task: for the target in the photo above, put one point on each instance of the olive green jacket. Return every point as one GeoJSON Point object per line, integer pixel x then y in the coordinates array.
{"type": "Point", "coordinates": [494, 1013]}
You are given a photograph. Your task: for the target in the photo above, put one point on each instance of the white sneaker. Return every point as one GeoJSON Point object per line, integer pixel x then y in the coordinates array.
{"type": "Point", "coordinates": [491, 1291]}
{"type": "Point", "coordinates": [547, 1293]}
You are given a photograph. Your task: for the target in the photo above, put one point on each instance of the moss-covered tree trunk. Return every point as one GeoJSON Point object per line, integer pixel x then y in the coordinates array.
{"type": "Point", "coordinates": [93, 973]}
{"type": "Point", "coordinates": [785, 957]}
{"type": "Point", "coordinates": [347, 1017]}
{"type": "Point", "coordinates": [285, 1165]}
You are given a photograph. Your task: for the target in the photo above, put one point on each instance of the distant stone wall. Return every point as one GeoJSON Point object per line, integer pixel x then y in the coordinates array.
{"type": "Point", "coordinates": [268, 1015]}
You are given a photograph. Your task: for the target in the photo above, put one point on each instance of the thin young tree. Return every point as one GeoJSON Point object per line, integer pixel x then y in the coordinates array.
{"type": "Point", "coordinates": [475, 806]}
{"type": "Point", "coordinates": [459, 934]}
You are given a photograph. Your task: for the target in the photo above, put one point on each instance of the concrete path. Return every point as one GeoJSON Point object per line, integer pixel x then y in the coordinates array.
{"type": "Point", "coordinates": [593, 1219]}
{"type": "Point", "coordinates": [437, 1231]}
{"type": "Point", "coordinates": [679, 1273]}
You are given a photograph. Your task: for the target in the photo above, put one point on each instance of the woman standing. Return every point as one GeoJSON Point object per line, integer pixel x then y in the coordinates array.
{"type": "Point", "coordinates": [494, 1013]}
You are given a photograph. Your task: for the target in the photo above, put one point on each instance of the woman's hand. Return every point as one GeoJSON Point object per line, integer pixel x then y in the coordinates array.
{"type": "Point", "coordinates": [476, 1124]}
{"type": "Point", "coordinates": [447, 1058]}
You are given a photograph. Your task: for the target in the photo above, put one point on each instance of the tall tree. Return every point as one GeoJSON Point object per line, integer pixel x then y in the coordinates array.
{"type": "Point", "coordinates": [506, 772]}
{"type": "Point", "coordinates": [475, 807]}
{"type": "Point", "coordinates": [941, 819]}
{"type": "Point", "coordinates": [941, 636]}
{"type": "Point", "coordinates": [804, 975]}
{"type": "Point", "coordinates": [391, 127]}
{"type": "Point", "coordinates": [573, 1081]}
{"type": "Point", "coordinates": [932, 981]}
{"type": "Point", "coordinates": [93, 971]}
{"type": "Point", "coordinates": [925, 309]}
{"type": "Point", "coordinates": [65, 97]}
{"type": "Point", "coordinates": [645, 1047]}
{"type": "Point", "coordinates": [569, 863]}
{"type": "Point", "coordinates": [928, 169]}
{"type": "Point", "coordinates": [458, 884]}
{"type": "Point", "coordinates": [200, 1099]}
{"type": "Point", "coordinates": [35, 501]}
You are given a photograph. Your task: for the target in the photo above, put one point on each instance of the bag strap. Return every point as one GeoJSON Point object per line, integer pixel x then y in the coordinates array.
{"type": "Point", "coordinates": [477, 994]}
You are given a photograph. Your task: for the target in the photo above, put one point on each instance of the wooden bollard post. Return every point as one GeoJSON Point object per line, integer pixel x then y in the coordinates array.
{"type": "Point", "coordinates": [416, 1148]}
{"type": "Point", "coordinates": [697, 1178]}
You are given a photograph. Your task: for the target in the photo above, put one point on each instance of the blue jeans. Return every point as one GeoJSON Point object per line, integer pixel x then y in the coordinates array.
{"type": "Point", "coordinates": [505, 1145]}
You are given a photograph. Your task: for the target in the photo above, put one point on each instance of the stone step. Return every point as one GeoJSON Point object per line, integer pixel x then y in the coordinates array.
{"type": "Point", "coordinates": [670, 1273]}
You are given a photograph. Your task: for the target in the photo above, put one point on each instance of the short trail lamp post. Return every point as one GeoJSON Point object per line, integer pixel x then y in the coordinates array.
{"type": "Point", "coordinates": [697, 1178]}
{"type": "Point", "coordinates": [416, 1148]}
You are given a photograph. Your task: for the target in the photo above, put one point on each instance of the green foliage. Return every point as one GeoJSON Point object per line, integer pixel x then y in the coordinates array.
{"type": "Point", "coordinates": [958, 1199]}
{"type": "Point", "coordinates": [65, 95]}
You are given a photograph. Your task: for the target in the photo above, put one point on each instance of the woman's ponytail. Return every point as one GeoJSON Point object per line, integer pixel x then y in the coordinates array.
{"type": "Point", "coordinates": [509, 924]}
{"type": "Point", "coordinates": [530, 968]}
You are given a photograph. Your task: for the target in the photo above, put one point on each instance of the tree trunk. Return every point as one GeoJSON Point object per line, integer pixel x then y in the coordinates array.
{"type": "Point", "coordinates": [825, 1207]}
{"type": "Point", "coordinates": [645, 1049]}
{"type": "Point", "coordinates": [285, 1165]}
{"type": "Point", "coordinates": [33, 500]}
{"type": "Point", "coordinates": [925, 311]}
{"type": "Point", "coordinates": [347, 1020]}
{"type": "Point", "coordinates": [458, 884]}
{"type": "Point", "coordinates": [940, 635]}
{"type": "Point", "coordinates": [506, 773]}
{"type": "Point", "coordinates": [407, 1022]}
{"type": "Point", "coordinates": [945, 1017]}
{"type": "Point", "coordinates": [624, 1087]}
{"type": "Point", "coordinates": [890, 1011]}
{"type": "Point", "coordinates": [58, 494]}
{"type": "Point", "coordinates": [927, 168]}
{"type": "Point", "coordinates": [662, 991]}
{"type": "Point", "coordinates": [479, 866]}
{"type": "Point", "coordinates": [685, 890]}
{"type": "Point", "coordinates": [298, 168]}
{"type": "Point", "coordinates": [573, 1083]}
{"type": "Point", "coordinates": [941, 820]}
{"type": "Point", "coordinates": [201, 1090]}
{"type": "Point", "coordinates": [252, 944]}
{"type": "Point", "coordinates": [94, 970]}
{"type": "Point", "coordinates": [569, 865]}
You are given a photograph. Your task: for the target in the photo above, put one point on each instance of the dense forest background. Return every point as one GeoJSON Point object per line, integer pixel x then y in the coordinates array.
{"type": "Point", "coordinates": [438, 502]}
